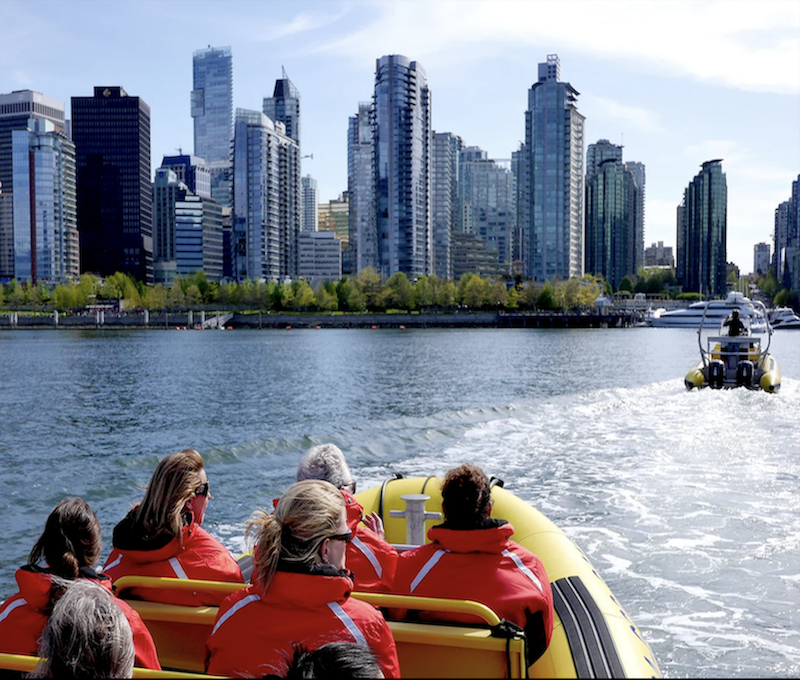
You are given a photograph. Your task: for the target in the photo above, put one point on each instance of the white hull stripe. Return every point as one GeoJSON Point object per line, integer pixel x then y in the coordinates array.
{"type": "Point", "coordinates": [516, 559]}
{"type": "Point", "coordinates": [177, 568]}
{"type": "Point", "coordinates": [239, 605]}
{"type": "Point", "coordinates": [113, 564]}
{"type": "Point", "coordinates": [12, 607]}
{"type": "Point", "coordinates": [364, 548]}
{"type": "Point", "coordinates": [351, 626]}
{"type": "Point", "coordinates": [430, 564]}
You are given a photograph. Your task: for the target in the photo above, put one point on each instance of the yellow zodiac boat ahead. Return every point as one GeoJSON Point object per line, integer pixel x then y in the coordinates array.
{"type": "Point", "coordinates": [592, 636]}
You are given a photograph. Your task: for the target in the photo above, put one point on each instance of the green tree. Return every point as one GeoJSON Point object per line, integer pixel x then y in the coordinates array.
{"type": "Point", "coordinates": [155, 298]}
{"type": "Point", "coordinates": [626, 284]}
{"type": "Point", "coordinates": [175, 297]}
{"type": "Point", "coordinates": [325, 300]}
{"type": "Point", "coordinates": [444, 293]}
{"type": "Point", "coordinates": [303, 296]}
{"type": "Point", "coordinates": [546, 298]}
{"type": "Point", "coordinates": [477, 293]}
{"type": "Point", "coordinates": [513, 298]}
{"type": "Point", "coordinates": [369, 285]}
{"type": "Point", "coordinates": [64, 297]}
{"type": "Point", "coordinates": [350, 296]}
{"type": "Point", "coordinates": [786, 298]}
{"type": "Point", "coordinates": [16, 295]}
{"type": "Point", "coordinates": [424, 292]}
{"type": "Point", "coordinates": [194, 298]}
{"type": "Point", "coordinates": [498, 294]}
{"type": "Point", "coordinates": [768, 284]}
{"type": "Point", "coordinates": [398, 292]}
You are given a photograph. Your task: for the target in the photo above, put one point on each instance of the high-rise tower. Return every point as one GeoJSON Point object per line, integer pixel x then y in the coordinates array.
{"type": "Point", "coordinates": [403, 149]}
{"type": "Point", "coordinates": [552, 177]}
{"type": "Point", "coordinates": [284, 106]}
{"type": "Point", "coordinates": [363, 224]}
{"type": "Point", "coordinates": [703, 231]}
{"type": "Point", "coordinates": [111, 132]}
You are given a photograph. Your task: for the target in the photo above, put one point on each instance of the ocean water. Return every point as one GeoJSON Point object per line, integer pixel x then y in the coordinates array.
{"type": "Point", "coordinates": [686, 502]}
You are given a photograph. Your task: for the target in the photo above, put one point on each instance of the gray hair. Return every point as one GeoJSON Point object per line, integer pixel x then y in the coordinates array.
{"type": "Point", "coordinates": [86, 636]}
{"type": "Point", "coordinates": [325, 462]}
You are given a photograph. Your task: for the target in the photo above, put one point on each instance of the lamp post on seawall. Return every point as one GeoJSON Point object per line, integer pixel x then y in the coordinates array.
{"type": "Point", "coordinates": [55, 318]}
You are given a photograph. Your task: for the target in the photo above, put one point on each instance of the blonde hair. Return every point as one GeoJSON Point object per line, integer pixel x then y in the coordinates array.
{"type": "Point", "coordinates": [307, 514]}
{"type": "Point", "coordinates": [171, 487]}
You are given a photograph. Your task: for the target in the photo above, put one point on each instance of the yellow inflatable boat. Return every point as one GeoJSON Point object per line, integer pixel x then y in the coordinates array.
{"type": "Point", "coordinates": [592, 636]}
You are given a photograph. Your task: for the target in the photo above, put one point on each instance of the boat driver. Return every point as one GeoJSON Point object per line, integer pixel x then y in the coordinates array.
{"type": "Point", "coordinates": [735, 325]}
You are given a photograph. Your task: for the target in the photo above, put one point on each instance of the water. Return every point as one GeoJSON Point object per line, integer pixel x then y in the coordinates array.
{"type": "Point", "coordinates": [686, 503]}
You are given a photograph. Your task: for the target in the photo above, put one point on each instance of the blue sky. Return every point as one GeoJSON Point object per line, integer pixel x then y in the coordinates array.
{"type": "Point", "coordinates": [678, 83]}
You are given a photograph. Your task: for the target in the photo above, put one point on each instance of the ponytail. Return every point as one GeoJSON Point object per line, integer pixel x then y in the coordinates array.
{"type": "Point", "coordinates": [268, 543]}
{"type": "Point", "coordinates": [71, 539]}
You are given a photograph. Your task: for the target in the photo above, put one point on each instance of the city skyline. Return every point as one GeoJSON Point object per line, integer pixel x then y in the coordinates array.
{"type": "Point", "coordinates": [677, 84]}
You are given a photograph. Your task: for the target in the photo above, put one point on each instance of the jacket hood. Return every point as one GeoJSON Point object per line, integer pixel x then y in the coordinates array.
{"type": "Point", "coordinates": [493, 537]}
{"type": "Point", "coordinates": [129, 540]}
{"type": "Point", "coordinates": [303, 590]}
{"type": "Point", "coordinates": [35, 584]}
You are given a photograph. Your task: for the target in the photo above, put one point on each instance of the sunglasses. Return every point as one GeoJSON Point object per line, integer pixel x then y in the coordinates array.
{"type": "Point", "coordinates": [342, 537]}
{"type": "Point", "coordinates": [350, 486]}
{"type": "Point", "coordinates": [203, 490]}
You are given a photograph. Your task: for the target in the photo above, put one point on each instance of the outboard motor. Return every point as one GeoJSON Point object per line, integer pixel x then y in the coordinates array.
{"type": "Point", "coordinates": [716, 373]}
{"type": "Point", "coordinates": [744, 373]}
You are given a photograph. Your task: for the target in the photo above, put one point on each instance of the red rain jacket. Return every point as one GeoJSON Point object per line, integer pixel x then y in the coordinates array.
{"type": "Point", "coordinates": [23, 617]}
{"type": "Point", "coordinates": [483, 565]}
{"type": "Point", "coordinates": [371, 559]}
{"type": "Point", "coordinates": [200, 557]}
{"type": "Point", "coordinates": [255, 632]}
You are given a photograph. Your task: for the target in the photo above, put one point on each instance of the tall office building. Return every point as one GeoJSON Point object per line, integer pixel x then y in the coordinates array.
{"type": "Point", "coordinates": [212, 111]}
{"type": "Point", "coordinates": [639, 176]}
{"type": "Point", "coordinates": [192, 171]}
{"type": "Point", "coordinates": [284, 107]}
{"type": "Point", "coordinates": [780, 238]}
{"type": "Point", "coordinates": [445, 217]}
{"type": "Point", "coordinates": [761, 253]}
{"type": "Point", "coordinates": [702, 232]}
{"type": "Point", "coordinates": [363, 220]}
{"type": "Point", "coordinates": [487, 202]}
{"type": "Point", "coordinates": [613, 235]}
{"type": "Point", "coordinates": [111, 132]}
{"type": "Point", "coordinates": [403, 145]}
{"type": "Point", "coordinates": [552, 177]}
{"type": "Point", "coordinates": [16, 109]}
{"type": "Point", "coordinates": [44, 212]}
{"type": "Point", "coordinates": [787, 240]}
{"type": "Point", "coordinates": [267, 199]}
{"type": "Point", "coordinates": [310, 210]}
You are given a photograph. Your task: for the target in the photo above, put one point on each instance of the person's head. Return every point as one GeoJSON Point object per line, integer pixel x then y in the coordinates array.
{"type": "Point", "coordinates": [326, 462]}
{"type": "Point", "coordinates": [71, 539]}
{"type": "Point", "coordinates": [86, 636]}
{"type": "Point", "coordinates": [308, 528]}
{"type": "Point", "coordinates": [178, 489]}
{"type": "Point", "coordinates": [335, 660]}
{"type": "Point", "coordinates": [735, 313]}
{"type": "Point", "coordinates": [466, 497]}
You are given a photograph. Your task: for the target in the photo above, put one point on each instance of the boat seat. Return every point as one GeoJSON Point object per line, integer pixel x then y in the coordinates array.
{"type": "Point", "coordinates": [19, 665]}
{"type": "Point", "coordinates": [593, 650]}
{"type": "Point", "coordinates": [425, 650]}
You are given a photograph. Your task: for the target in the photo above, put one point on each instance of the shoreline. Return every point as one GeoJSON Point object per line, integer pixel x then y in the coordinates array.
{"type": "Point", "coordinates": [261, 320]}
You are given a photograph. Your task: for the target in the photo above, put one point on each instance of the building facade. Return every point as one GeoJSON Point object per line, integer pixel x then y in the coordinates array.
{"type": "Point", "coordinates": [445, 205]}
{"type": "Point", "coordinates": [703, 231]}
{"type": "Point", "coordinates": [310, 210]}
{"type": "Point", "coordinates": [212, 112]}
{"type": "Point", "coordinates": [363, 219]}
{"type": "Point", "coordinates": [284, 107]}
{"type": "Point", "coordinates": [402, 139]}
{"type": "Point", "coordinates": [551, 173]}
{"type": "Point", "coordinates": [111, 132]}
{"type": "Point", "coordinates": [320, 257]}
{"type": "Point", "coordinates": [16, 110]}
{"type": "Point", "coordinates": [659, 255]}
{"type": "Point", "coordinates": [267, 199]}
{"type": "Point", "coordinates": [44, 205]}
{"type": "Point", "coordinates": [761, 257]}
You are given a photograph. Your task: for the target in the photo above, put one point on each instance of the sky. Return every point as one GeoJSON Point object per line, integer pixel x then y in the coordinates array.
{"type": "Point", "coordinates": [677, 83]}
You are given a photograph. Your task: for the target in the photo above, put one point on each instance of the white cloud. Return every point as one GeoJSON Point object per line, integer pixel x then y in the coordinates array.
{"type": "Point", "coordinates": [633, 116]}
{"type": "Point", "coordinates": [747, 45]}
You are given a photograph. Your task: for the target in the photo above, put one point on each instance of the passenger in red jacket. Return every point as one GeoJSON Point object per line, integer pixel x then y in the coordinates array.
{"type": "Point", "coordinates": [473, 557]}
{"type": "Point", "coordinates": [70, 546]}
{"type": "Point", "coordinates": [300, 596]}
{"type": "Point", "coordinates": [162, 535]}
{"type": "Point", "coordinates": [371, 559]}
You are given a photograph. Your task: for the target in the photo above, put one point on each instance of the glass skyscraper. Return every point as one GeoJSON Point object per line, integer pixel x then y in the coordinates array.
{"type": "Point", "coordinates": [111, 132]}
{"type": "Point", "coordinates": [212, 103]}
{"type": "Point", "coordinates": [284, 107]}
{"type": "Point", "coordinates": [403, 159]}
{"type": "Point", "coordinates": [703, 232]}
{"type": "Point", "coordinates": [44, 216]}
{"type": "Point", "coordinates": [363, 223]}
{"type": "Point", "coordinates": [552, 178]}
{"type": "Point", "coordinates": [445, 217]}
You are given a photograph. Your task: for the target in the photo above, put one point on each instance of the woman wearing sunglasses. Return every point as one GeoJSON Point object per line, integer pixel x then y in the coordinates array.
{"type": "Point", "coordinates": [300, 591]}
{"type": "Point", "coordinates": [162, 535]}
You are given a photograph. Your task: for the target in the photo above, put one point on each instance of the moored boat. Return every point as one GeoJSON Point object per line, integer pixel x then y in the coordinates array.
{"type": "Point", "coordinates": [712, 312]}
{"type": "Point", "coordinates": [784, 318]}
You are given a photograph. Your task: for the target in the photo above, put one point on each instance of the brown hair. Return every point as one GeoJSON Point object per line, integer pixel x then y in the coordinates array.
{"type": "Point", "coordinates": [466, 496]}
{"type": "Point", "coordinates": [71, 539]}
{"type": "Point", "coordinates": [171, 487]}
{"type": "Point", "coordinates": [305, 516]}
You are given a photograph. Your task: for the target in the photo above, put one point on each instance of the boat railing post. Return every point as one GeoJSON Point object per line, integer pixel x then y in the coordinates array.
{"type": "Point", "coordinates": [415, 516]}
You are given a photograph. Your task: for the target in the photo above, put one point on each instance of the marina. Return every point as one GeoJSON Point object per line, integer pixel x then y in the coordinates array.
{"type": "Point", "coordinates": [690, 519]}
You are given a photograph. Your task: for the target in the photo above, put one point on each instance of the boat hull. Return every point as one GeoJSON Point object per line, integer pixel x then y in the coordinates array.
{"type": "Point", "coordinates": [766, 376]}
{"type": "Point", "coordinates": [577, 648]}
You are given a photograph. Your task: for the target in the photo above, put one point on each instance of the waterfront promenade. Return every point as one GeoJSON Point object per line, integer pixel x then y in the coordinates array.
{"type": "Point", "coordinates": [263, 320]}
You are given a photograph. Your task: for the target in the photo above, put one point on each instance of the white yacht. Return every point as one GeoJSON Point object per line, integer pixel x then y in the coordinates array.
{"type": "Point", "coordinates": [784, 317]}
{"type": "Point", "coordinates": [713, 311]}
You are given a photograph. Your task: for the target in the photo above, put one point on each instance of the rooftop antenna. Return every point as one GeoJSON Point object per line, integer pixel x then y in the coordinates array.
{"type": "Point", "coordinates": [283, 71]}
